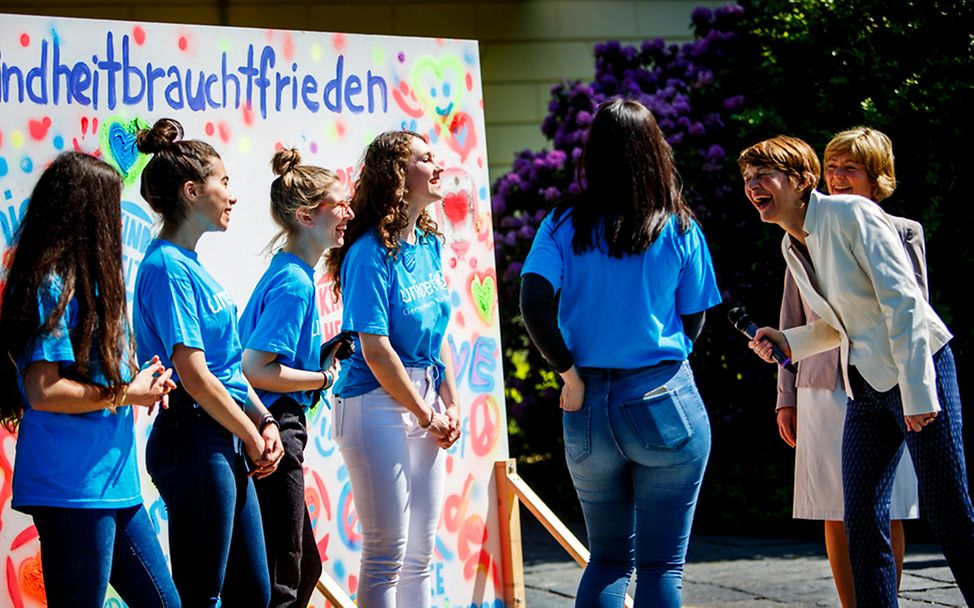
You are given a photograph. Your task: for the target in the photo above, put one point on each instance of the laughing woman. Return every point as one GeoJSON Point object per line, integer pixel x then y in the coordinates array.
{"type": "Point", "coordinates": [66, 372]}
{"type": "Point", "coordinates": [216, 434]}
{"type": "Point", "coordinates": [811, 407]}
{"type": "Point", "coordinates": [397, 408]}
{"type": "Point", "coordinates": [898, 370]}
{"type": "Point", "coordinates": [281, 335]}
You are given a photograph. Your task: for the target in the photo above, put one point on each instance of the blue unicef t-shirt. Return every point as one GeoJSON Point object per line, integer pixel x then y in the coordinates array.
{"type": "Point", "coordinates": [178, 302]}
{"type": "Point", "coordinates": [624, 313]}
{"type": "Point", "coordinates": [84, 461]}
{"type": "Point", "coordinates": [403, 297]}
{"type": "Point", "coordinates": [281, 318]}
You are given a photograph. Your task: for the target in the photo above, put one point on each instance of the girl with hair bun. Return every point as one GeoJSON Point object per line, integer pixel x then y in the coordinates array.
{"type": "Point", "coordinates": [281, 334]}
{"type": "Point", "coordinates": [216, 434]}
{"type": "Point", "coordinates": [66, 372]}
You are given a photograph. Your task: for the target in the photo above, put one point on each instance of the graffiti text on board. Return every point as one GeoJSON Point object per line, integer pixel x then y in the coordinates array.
{"type": "Point", "coordinates": [258, 80]}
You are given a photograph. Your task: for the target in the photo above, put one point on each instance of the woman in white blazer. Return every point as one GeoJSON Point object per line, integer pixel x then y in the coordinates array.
{"type": "Point", "coordinates": [851, 269]}
{"type": "Point", "coordinates": [811, 406]}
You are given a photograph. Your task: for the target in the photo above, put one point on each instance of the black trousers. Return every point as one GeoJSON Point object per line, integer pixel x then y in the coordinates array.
{"type": "Point", "coordinates": [292, 554]}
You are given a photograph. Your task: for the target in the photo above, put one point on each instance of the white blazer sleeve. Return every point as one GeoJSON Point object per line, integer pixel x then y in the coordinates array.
{"type": "Point", "coordinates": [811, 339]}
{"type": "Point", "coordinates": [878, 250]}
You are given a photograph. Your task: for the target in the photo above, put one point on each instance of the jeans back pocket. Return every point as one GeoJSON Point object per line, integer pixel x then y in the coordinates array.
{"type": "Point", "coordinates": [577, 428]}
{"type": "Point", "coordinates": [658, 420]}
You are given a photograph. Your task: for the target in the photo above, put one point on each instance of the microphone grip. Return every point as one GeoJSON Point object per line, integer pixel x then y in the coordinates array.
{"type": "Point", "coordinates": [776, 353]}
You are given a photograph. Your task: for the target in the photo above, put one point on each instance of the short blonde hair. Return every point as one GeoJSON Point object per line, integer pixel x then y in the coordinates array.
{"type": "Point", "coordinates": [790, 155]}
{"type": "Point", "coordinates": [874, 150]}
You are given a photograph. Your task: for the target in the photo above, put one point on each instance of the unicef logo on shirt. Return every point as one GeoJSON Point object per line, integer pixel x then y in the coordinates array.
{"type": "Point", "coordinates": [408, 258]}
{"type": "Point", "coordinates": [136, 234]}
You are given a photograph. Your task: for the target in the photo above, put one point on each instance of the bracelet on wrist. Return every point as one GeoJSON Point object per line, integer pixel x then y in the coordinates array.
{"type": "Point", "coordinates": [119, 395]}
{"type": "Point", "coordinates": [329, 380]}
{"type": "Point", "coordinates": [265, 420]}
{"type": "Point", "coordinates": [429, 423]}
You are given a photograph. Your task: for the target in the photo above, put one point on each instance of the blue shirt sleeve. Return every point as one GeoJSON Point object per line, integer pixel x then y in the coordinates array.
{"type": "Point", "coordinates": [366, 281]}
{"type": "Point", "coordinates": [54, 346]}
{"type": "Point", "coordinates": [278, 327]}
{"type": "Point", "coordinates": [172, 306]}
{"type": "Point", "coordinates": [545, 257]}
{"type": "Point", "coordinates": [697, 288]}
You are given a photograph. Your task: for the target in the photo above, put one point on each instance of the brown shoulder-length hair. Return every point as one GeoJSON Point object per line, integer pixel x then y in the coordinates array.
{"type": "Point", "coordinates": [71, 232]}
{"type": "Point", "coordinates": [378, 200]}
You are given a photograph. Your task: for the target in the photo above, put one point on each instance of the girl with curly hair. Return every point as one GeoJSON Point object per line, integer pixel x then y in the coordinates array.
{"type": "Point", "coordinates": [397, 404]}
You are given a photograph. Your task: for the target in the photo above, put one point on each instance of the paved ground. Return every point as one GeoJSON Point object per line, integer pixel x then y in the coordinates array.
{"type": "Point", "coordinates": [739, 572]}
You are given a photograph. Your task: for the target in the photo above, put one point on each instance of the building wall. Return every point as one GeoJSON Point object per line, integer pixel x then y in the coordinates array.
{"type": "Point", "coordinates": [526, 47]}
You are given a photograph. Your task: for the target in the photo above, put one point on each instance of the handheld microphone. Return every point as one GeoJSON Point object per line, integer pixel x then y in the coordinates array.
{"type": "Point", "coordinates": [742, 322]}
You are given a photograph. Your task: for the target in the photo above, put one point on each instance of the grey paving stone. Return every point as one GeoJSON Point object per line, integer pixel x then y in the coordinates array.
{"type": "Point", "coordinates": [738, 572]}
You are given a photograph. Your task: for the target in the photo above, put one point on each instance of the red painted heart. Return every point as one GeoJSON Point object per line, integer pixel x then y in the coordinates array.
{"type": "Point", "coordinates": [456, 207]}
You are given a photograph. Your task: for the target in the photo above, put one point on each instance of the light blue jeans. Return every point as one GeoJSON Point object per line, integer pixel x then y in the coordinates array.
{"type": "Point", "coordinates": [636, 451]}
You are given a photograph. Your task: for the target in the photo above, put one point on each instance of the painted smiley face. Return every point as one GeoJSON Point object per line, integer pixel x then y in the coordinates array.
{"type": "Point", "coordinates": [439, 85]}
{"type": "Point", "coordinates": [443, 112]}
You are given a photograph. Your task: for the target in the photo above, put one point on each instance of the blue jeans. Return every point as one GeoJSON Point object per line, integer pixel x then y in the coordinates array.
{"type": "Point", "coordinates": [636, 451]}
{"type": "Point", "coordinates": [216, 541]}
{"type": "Point", "coordinates": [82, 550]}
{"type": "Point", "coordinates": [872, 443]}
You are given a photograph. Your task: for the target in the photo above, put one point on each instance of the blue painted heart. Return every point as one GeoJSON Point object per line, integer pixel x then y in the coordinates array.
{"type": "Point", "coordinates": [118, 146]}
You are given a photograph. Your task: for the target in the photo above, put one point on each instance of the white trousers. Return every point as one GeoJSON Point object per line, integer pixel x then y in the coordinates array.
{"type": "Point", "coordinates": [396, 470]}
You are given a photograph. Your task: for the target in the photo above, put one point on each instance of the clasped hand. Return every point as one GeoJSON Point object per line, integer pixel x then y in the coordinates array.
{"type": "Point", "coordinates": [266, 454]}
{"type": "Point", "coordinates": [151, 386]}
{"type": "Point", "coordinates": [445, 427]}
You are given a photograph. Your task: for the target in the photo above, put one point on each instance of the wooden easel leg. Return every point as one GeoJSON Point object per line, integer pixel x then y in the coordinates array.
{"type": "Point", "coordinates": [333, 592]}
{"type": "Point", "coordinates": [509, 520]}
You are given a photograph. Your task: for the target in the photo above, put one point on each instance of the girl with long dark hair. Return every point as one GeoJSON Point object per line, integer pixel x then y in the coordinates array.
{"type": "Point", "coordinates": [216, 434]}
{"type": "Point", "coordinates": [397, 406]}
{"type": "Point", "coordinates": [67, 371]}
{"type": "Point", "coordinates": [635, 278]}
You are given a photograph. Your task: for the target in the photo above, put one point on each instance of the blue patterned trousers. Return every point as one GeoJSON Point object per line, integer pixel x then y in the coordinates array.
{"type": "Point", "coordinates": [875, 433]}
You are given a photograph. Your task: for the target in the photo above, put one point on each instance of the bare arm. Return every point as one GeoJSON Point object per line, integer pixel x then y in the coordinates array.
{"type": "Point", "coordinates": [205, 389]}
{"type": "Point", "coordinates": [448, 394]}
{"type": "Point", "coordinates": [448, 386]}
{"type": "Point", "coordinates": [48, 391]}
{"type": "Point", "coordinates": [264, 371]}
{"type": "Point", "coordinates": [388, 369]}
